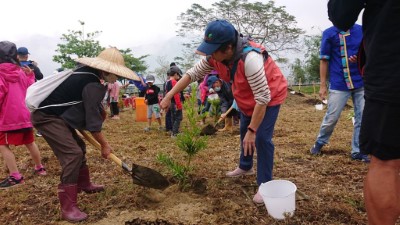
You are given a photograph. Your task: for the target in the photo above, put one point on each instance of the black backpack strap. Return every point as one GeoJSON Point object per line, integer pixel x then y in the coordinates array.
{"type": "Point", "coordinates": [246, 50]}
{"type": "Point", "coordinates": [233, 70]}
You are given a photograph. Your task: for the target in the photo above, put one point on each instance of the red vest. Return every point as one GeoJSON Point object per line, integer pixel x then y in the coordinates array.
{"type": "Point", "coordinates": [241, 89]}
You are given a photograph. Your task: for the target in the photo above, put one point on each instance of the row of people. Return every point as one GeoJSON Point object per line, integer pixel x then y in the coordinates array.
{"type": "Point", "coordinates": [259, 89]}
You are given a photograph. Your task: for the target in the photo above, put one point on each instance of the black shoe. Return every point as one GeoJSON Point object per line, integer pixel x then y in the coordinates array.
{"type": "Point", "coordinates": [361, 157]}
{"type": "Point", "coordinates": [11, 182]}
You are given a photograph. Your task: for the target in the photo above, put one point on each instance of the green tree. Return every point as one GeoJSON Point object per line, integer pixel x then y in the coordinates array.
{"type": "Point", "coordinates": [78, 44]}
{"type": "Point", "coordinates": [308, 70]}
{"type": "Point", "coordinates": [268, 24]}
{"type": "Point", "coordinates": [298, 72]}
{"type": "Point", "coordinates": [136, 64]}
{"type": "Point", "coordinates": [313, 44]}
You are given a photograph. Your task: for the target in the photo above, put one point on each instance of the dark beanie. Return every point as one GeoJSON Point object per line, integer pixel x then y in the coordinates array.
{"type": "Point", "coordinates": [211, 80]}
{"type": "Point", "coordinates": [173, 70]}
{"type": "Point", "coordinates": [8, 52]}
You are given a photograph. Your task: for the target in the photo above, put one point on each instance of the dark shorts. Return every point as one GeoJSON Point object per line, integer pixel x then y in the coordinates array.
{"type": "Point", "coordinates": [380, 130]}
{"type": "Point", "coordinates": [18, 137]}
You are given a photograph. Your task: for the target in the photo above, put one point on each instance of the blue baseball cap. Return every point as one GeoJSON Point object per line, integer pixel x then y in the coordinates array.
{"type": "Point", "coordinates": [22, 51]}
{"type": "Point", "coordinates": [217, 32]}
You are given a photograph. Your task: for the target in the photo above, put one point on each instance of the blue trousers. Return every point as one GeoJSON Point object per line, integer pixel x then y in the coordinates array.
{"type": "Point", "coordinates": [168, 121]}
{"type": "Point", "coordinates": [176, 118]}
{"type": "Point", "coordinates": [336, 102]}
{"type": "Point", "coordinates": [264, 145]}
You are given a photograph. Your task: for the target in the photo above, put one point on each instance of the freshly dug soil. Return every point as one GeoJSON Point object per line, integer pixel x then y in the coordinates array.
{"type": "Point", "coordinates": [330, 184]}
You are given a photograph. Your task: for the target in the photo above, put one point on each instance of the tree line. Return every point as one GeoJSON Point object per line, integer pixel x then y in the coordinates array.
{"type": "Point", "coordinates": [267, 23]}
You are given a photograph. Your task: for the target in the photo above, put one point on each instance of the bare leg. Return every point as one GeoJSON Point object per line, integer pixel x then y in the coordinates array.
{"type": "Point", "coordinates": [9, 158]}
{"type": "Point", "coordinates": [35, 154]}
{"type": "Point", "coordinates": [5, 165]}
{"type": "Point", "coordinates": [159, 121]}
{"type": "Point", "coordinates": [382, 191]}
{"type": "Point", "coordinates": [149, 122]}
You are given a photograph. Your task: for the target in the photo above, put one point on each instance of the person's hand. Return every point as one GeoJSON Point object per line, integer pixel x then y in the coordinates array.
{"type": "Point", "coordinates": [145, 101]}
{"type": "Point", "coordinates": [223, 115]}
{"type": "Point", "coordinates": [105, 150]}
{"type": "Point", "coordinates": [249, 143]}
{"type": "Point", "coordinates": [353, 59]}
{"type": "Point", "coordinates": [322, 92]}
{"type": "Point", "coordinates": [165, 103]}
{"type": "Point", "coordinates": [143, 83]}
{"type": "Point", "coordinates": [26, 69]}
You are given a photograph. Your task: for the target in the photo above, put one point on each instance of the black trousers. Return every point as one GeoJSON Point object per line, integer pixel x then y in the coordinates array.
{"type": "Point", "coordinates": [114, 108]}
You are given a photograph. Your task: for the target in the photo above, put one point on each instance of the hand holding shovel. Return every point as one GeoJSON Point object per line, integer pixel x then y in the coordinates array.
{"type": "Point", "coordinates": [141, 175]}
{"type": "Point", "coordinates": [210, 129]}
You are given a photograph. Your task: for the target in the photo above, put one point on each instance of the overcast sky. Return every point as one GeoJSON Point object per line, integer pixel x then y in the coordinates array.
{"type": "Point", "coordinates": [147, 27]}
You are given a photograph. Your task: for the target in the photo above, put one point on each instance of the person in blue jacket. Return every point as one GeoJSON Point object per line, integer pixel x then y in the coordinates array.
{"type": "Point", "coordinates": [141, 85]}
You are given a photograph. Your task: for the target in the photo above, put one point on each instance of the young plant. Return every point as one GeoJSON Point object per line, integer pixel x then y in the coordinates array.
{"type": "Point", "coordinates": [189, 142]}
{"type": "Point", "coordinates": [215, 106]}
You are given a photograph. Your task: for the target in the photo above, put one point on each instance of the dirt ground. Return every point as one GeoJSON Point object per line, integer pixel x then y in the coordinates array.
{"type": "Point", "coordinates": [329, 186]}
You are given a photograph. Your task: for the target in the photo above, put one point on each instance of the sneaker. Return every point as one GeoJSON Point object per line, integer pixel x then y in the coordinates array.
{"type": "Point", "coordinates": [161, 128]}
{"type": "Point", "coordinates": [316, 149]}
{"type": "Point", "coordinates": [360, 157]}
{"type": "Point", "coordinates": [41, 172]}
{"type": "Point", "coordinates": [115, 118]}
{"type": "Point", "coordinates": [147, 129]}
{"type": "Point", "coordinates": [38, 134]}
{"type": "Point", "coordinates": [239, 172]}
{"type": "Point", "coordinates": [173, 136]}
{"type": "Point", "coordinates": [11, 182]}
{"type": "Point", "coordinates": [258, 198]}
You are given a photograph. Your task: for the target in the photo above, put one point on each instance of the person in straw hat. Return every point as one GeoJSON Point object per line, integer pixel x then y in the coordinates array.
{"type": "Point", "coordinates": [58, 124]}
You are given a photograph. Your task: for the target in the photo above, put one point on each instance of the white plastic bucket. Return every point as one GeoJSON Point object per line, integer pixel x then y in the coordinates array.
{"type": "Point", "coordinates": [319, 106]}
{"type": "Point", "coordinates": [279, 197]}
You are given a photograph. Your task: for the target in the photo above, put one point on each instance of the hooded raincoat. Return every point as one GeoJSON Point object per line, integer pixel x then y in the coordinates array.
{"type": "Point", "coordinates": [14, 82]}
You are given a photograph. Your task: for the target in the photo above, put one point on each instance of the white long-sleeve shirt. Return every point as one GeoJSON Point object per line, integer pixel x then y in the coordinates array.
{"type": "Point", "coordinates": [254, 72]}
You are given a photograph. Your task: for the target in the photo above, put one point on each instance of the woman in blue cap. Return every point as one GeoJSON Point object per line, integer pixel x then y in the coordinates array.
{"type": "Point", "coordinates": [257, 84]}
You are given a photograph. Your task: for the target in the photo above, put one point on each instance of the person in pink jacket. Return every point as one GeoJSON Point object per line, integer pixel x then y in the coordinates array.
{"type": "Point", "coordinates": [113, 90]}
{"type": "Point", "coordinates": [15, 122]}
{"type": "Point", "coordinates": [204, 93]}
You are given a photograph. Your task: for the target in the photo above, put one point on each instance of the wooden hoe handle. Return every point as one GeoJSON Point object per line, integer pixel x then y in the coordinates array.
{"type": "Point", "coordinates": [97, 145]}
{"type": "Point", "coordinates": [227, 112]}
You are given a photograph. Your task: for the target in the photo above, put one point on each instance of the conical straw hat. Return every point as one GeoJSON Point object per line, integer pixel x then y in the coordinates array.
{"type": "Point", "coordinates": [110, 60]}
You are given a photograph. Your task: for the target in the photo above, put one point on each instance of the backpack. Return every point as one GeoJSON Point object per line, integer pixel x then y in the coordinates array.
{"type": "Point", "coordinates": [40, 90]}
{"type": "Point", "coordinates": [248, 47]}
